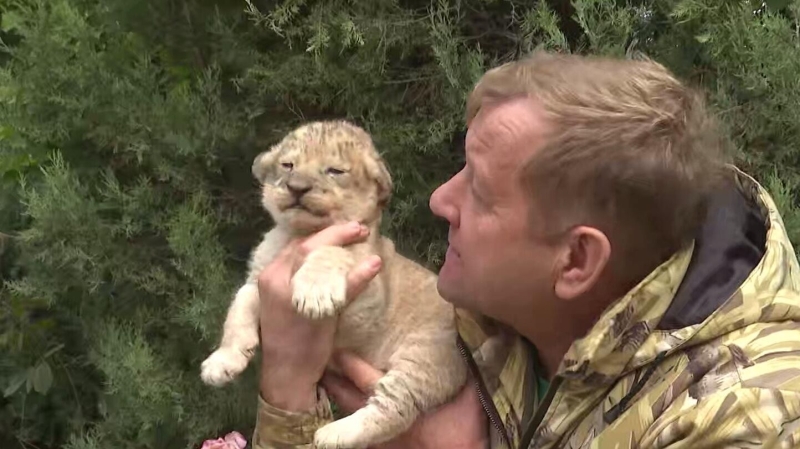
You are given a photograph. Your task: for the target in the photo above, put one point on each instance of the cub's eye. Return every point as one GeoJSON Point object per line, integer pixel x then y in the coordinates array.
{"type": "Point", "coordinates": [334, 171]}
{"type": "Point", "coordinates": [287, 165]}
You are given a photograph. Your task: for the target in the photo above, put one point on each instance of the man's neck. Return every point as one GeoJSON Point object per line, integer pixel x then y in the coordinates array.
{"type": "Point", "coordinates": [550, 356]}
{"type": "Point", "coordinates": [575, 320]}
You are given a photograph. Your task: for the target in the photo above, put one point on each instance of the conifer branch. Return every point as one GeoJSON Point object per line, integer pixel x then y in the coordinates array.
{"type": "Point", "coordinates": [197, 51]}
{"type": "Point", "coordinates": [142, 222]}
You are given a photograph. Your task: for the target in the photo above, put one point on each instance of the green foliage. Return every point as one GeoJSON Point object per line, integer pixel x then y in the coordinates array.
{"type": "Point", "coordinates": [127, 130]}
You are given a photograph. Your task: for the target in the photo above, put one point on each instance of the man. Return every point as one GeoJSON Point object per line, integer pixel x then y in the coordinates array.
{"type": "Point", "coordinates": [617, 283]}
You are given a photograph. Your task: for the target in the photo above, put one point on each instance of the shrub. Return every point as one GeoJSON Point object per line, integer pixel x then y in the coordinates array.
{"type": "Point", "coordinates": [127, 130]}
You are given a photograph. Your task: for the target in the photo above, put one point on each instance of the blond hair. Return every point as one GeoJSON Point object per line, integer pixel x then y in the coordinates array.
{"type": "Point", "coordinates": [632, 150]}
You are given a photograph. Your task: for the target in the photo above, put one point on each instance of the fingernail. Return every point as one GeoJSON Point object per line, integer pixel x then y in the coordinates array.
{"type": "Point", "coordinates": [374, 262]}
{"type": "Point", "coordinates": [354, 225]}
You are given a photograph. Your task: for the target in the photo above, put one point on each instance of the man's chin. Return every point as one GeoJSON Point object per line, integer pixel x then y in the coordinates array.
{"type": "Point", "coordinates": [449, 291]}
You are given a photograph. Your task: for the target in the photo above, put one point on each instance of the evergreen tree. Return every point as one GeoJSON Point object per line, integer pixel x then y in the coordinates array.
{"type": "Point", "coordinates": [127, 131]}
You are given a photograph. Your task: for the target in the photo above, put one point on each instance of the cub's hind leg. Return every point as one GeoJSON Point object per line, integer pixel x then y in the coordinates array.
{"type": "Point", "coordinates": [407, 390]}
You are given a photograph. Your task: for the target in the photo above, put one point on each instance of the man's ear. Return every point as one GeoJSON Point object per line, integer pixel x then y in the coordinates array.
{"type": "Point", "coordinates": [263, 163]}
{"type": "Point", "coordinates": [379, 172]}
{"type": "Point", "coordinates": [582, 261]}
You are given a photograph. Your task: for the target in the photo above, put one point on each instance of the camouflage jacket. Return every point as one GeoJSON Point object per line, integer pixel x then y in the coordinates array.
{"type": "Point", "coordinates": [704, 352]}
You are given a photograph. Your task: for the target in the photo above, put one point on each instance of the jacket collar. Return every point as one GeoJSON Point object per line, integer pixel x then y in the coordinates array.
{"type": "Point", "coordinates": [605, 351]}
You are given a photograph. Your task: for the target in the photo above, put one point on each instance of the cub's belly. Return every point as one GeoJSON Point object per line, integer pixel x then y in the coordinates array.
{"type": "Point", "coordinates": [366, 332]}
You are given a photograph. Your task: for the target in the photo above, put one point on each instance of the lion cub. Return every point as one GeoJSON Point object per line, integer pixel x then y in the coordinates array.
{"type": "Point", "coordinates": [329, 172]}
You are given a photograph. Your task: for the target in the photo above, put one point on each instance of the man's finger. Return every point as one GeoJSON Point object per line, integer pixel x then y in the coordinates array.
{"type": "Point", "coordinates": [362, 374]}
{"type": "Point", "coordinates": [359, 277]}
{"type": "Point", "coordinates": [335, 235]}
{"type": "Point", "coordinates": [344, 393]}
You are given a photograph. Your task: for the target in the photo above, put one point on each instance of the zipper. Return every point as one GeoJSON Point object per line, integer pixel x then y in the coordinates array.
{"type": "Point", "coordinates": [541, 410]}
{"type": "Point", "coordinates": [488, 406]}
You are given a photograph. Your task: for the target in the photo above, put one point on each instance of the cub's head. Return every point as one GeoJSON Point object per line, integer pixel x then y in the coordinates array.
{"type": "Point", "coordinates": [320, 173]}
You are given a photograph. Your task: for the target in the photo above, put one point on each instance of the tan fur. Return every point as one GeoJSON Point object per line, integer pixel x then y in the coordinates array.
{"type": "Point", "coordinates": [399, 324]}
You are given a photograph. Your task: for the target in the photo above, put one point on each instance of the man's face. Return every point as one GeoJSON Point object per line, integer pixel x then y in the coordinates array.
{"type": "Point", "coordinates": [494, 265]}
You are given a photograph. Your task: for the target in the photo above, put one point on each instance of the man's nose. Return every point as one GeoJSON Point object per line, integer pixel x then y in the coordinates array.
{"type": "Point", "coordinates": [443, 205]}
{"type": "Point", "coordinates": [298, 185]}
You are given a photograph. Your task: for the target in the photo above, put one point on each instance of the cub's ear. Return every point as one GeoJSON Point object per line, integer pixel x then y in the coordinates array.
{"type": "Point", "coordinates": [379, 172]}
{"type": "Point", "coordinates": [263, 163]}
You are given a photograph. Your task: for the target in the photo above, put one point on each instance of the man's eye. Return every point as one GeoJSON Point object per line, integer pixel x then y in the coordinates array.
{"type": "Point", "coordinates": [334, 171]}
{"type": "Point", "coordinates": [287, 165]}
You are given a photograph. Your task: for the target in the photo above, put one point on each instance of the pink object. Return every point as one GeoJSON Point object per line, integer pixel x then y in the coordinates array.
{"type": "Point", "coordinates": [233, 440]}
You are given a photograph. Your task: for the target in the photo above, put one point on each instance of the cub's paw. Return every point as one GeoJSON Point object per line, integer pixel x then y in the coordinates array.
{"type": "Point", "coordinates": [317, 294]}
{"type": "Point", "coordinates": [341, 434]}
{"type": "Point", "coordinates": [222, 366]}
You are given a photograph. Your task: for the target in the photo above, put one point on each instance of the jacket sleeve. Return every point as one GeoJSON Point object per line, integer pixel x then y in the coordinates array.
{"type": "Point", "coordinates": [747, 417]}
{"type": "Point", "coordinates": [280, 429]}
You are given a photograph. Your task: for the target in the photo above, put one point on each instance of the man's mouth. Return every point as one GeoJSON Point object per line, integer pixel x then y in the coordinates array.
{"type": "Point", "coordinates": [451, 248]}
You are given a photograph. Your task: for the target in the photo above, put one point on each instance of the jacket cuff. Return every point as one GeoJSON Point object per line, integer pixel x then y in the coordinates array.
{"type": "Point", "coordinates": [280, 429]}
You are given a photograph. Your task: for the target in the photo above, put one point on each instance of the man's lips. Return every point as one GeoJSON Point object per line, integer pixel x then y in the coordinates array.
{"type": "Point", "coordinates": [452, 252]}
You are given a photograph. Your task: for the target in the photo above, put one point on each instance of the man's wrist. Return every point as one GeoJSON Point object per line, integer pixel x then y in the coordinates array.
{"type": "Point", "coordinates": [301, 399]}
{"type": "Point", "coordinates": [287, 390]}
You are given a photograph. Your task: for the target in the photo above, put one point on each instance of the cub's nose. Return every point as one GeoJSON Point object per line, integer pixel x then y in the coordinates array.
{"type": "Point", "coordinates": [298, 185]}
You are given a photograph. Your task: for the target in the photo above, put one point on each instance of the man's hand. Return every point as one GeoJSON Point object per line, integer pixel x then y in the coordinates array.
{"type": "Point", "coordinates": [295, 350]}
{"type": "Point", "coordinates": [461, 423]}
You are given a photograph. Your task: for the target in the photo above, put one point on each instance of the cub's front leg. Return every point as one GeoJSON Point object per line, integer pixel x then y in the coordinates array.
{"type": "Point", "coordinates": [239, 338]}
{"type": "Point", "coordinates": [240, 333]}
{"type": "Point", "coordinates": [319, 287]}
